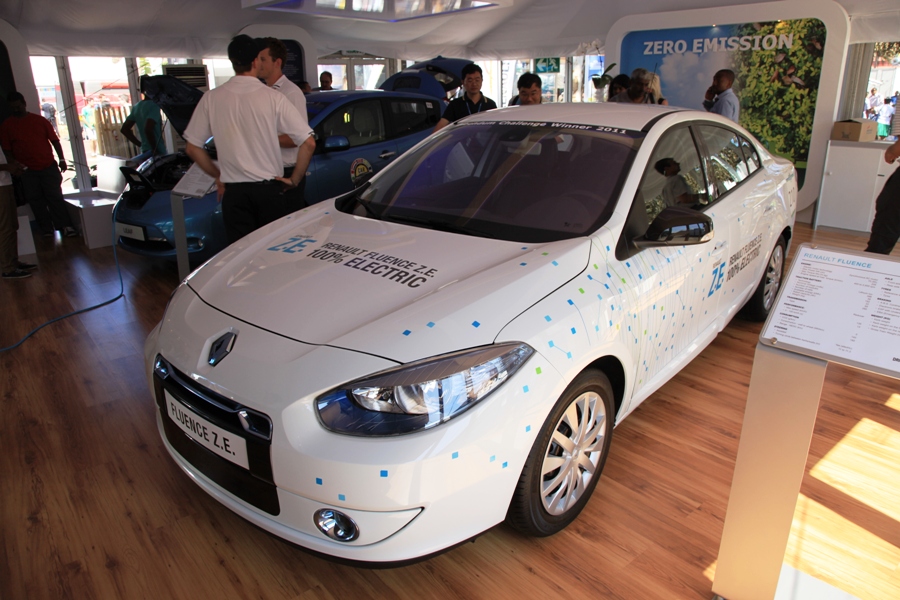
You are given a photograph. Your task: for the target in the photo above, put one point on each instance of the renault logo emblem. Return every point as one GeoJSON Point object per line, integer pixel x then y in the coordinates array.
{"type": "Point", "coordinates": [220, 348]}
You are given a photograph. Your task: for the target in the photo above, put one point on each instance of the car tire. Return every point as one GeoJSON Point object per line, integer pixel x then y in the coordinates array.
{"type": "Point", "coordinates": [763, 298]}
{"type": "Point", "coordinates": [566, 459]}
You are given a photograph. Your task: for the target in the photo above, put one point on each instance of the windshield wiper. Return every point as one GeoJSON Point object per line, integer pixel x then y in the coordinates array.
{"type": "Point", "coordinates": [346, 202]}
{"type": "Point", "coordinates": [368, 206]}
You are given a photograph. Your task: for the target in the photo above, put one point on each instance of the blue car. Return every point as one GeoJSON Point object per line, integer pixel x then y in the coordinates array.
{"type": "Point", "coordinates": [357, 134]}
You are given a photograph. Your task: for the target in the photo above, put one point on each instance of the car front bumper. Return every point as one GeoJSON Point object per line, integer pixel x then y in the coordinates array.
{"type": "Point", "coordinates": [410, 495]}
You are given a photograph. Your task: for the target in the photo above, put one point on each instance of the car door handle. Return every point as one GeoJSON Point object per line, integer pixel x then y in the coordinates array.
{"type": "Point", "coordinates": [386, 155]}
{"type": "Point", "coordinates": [719, 246]}
{"type": "Point", "coordinates": [769, 209]}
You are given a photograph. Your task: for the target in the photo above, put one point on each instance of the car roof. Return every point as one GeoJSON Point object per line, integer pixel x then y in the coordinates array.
{"type": "Point", "coordinates": [634, 117]}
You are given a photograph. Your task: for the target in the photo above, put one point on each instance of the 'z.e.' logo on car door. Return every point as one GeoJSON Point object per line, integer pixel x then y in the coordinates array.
{"type": "Point", "coordinates": [718, 275]}
{"type": "Point", "coordinates": [292, 246]}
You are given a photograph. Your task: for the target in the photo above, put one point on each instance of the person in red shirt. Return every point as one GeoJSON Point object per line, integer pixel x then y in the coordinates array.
{"type": "Point", "coordinates": [26, 138]}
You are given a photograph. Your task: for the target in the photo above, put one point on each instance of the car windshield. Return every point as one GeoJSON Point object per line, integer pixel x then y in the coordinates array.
{"type": "Point", "coordinates": [527, 182]}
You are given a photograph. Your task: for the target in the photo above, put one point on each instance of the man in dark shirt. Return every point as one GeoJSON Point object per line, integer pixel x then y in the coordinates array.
{"type": "Point", "coordinates": [886, 226]}
{"type": "Point", "coordinates": [27, 138]}
{"type": "Point", "coordinates": [529, 86]}
{"type": "Point", "coordinates": [473, 101]}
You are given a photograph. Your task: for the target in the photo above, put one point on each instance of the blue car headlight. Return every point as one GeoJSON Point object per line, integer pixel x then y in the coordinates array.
{"type": "Point", "coordinates": [421, 394]}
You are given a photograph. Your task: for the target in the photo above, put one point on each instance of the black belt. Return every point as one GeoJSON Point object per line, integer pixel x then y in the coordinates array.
{"type": "Point", "coordinates": [266, 182]}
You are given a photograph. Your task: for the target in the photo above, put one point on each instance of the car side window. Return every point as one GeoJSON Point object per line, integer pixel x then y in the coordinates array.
{"type": "Point", "coordinates": [750, 155]}
{"type": "Point", "coordinates": [360, 122]}
{"type": "Point", "coordinates": [726, 164]}
{"type": "Point", "coordinates": [411, 116]}
{"type": "Point", "coordinates": [674, 176]}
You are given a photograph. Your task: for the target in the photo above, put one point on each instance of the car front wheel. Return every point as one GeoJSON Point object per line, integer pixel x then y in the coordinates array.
{"type": "Point", "coordinates": [763, 298]}
{"type": "Point", "coordinates": [567, 457]}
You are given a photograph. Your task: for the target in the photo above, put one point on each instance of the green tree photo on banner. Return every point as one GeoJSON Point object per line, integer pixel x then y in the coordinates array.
{"type": "Point", "coordinates": [778, 87]}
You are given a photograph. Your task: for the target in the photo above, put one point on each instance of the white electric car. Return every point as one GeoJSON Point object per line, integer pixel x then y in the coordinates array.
{"type": "Point", "coordinates": [384, 375]}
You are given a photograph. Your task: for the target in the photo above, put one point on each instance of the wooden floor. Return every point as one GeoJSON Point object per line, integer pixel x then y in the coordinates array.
{"type": "Point", "coordinates": [91, 506]}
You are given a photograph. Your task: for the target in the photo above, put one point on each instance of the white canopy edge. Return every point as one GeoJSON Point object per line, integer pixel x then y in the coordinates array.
{"type": "Point", "coordinates": [202, 28]}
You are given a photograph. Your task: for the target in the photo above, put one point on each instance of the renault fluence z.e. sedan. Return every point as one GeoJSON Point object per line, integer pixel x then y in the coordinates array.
{"type": "Point", "coordinates": [387, 374]}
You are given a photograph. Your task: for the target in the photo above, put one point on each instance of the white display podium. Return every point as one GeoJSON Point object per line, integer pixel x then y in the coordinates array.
{"type": "Point", "coordinates": [25, 238]}
{"type": "Point", "coordinates": [834, 306]}
{"type": "Point", "coordinates": [92, 214]}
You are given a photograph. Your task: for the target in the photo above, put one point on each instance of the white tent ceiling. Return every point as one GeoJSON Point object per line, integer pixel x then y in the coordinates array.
{"type": "Point", "coordinates": [202, 28]}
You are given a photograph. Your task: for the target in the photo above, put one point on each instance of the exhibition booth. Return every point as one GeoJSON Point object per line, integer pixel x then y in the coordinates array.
{"type": "Point", "coordinates": [801, 82]}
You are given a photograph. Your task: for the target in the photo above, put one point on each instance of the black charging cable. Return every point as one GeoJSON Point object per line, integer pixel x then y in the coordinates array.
{"type": "Point", "coordinates": [83, 310]}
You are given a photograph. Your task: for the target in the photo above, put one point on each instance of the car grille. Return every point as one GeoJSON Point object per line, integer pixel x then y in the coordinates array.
{"type": "Point", "coordinates": [255, 486]}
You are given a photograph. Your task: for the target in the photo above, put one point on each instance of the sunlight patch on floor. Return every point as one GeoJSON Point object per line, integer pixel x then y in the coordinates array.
{"type": "Point", "coordinates": [839, 552]}
{"type": "Point", "coordinates": [863, 465]}
{"type": "Point", "coordinates": [893, 402]}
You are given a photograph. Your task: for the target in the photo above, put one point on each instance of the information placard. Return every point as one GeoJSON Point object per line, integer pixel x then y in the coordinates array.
{"type": "Point", "coordinates": [195, 183]}
{"type": "Point", "coordinates": [842, 306]}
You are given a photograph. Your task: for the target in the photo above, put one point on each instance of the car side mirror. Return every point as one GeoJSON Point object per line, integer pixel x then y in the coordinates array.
{"type": "Point", "coordinates": [336, 142]}
{"type": "Point", "coordinates": [677, 226]}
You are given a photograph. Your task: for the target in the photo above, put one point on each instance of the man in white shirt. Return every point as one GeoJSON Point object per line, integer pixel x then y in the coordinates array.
{"type": "Point", "coordinates": [885, 116]}
{"type": "Point", "coordinates": [271, 62]}
{"type": "Point", "coordinates": [720, 98]}
{"type": "Point", "coordinates": [873, 103]}
{"type": "Point", "coordinates": [245, 117]}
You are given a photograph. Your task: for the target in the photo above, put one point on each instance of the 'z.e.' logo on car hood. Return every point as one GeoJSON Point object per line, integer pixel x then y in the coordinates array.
{"type": "Point", "coordinates": [293, 246]}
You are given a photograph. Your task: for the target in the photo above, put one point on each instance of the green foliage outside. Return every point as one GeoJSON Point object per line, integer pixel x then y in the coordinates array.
{"type": "Point", "coordinates": [778, 87]}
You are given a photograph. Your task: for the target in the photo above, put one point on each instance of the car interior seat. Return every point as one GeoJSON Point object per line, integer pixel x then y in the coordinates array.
{"type": "Point", "coordinates": [365, 126]}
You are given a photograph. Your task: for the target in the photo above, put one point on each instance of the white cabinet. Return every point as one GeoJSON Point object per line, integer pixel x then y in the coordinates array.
{"type": "Point", "coordinates": [855, 173]}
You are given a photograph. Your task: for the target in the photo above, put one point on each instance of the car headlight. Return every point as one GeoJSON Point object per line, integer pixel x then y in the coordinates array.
{"type": "Point", "coordinates": [422, 394]}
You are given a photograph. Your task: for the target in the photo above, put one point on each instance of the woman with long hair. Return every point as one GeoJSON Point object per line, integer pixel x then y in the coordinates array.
{"type": "Point", "coordinates": [655, 88]}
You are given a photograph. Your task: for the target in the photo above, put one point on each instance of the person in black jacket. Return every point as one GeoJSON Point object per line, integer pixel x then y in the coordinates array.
{"type": "Point", "coordinates": [473, 101]}
{"type": "Point", "coordinates": [886, 226]}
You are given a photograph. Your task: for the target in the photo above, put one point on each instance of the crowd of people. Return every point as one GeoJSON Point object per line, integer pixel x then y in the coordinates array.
{"type": "Point", "coordinates": [642, 87]}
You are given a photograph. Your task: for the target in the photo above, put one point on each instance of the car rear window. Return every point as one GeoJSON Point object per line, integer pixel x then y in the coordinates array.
{"type": "Point", "coordinates": [530, 182]}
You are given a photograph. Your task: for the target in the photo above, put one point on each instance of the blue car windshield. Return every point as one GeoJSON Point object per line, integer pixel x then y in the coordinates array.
{"type": "Point", "coordinates": [527, 182]}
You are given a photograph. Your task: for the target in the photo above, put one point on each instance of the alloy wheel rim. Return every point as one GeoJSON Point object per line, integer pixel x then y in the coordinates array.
{"type": "Point", "coordinates": [773, 276]}
{"type": "Point", "coordinates": [573, 454]}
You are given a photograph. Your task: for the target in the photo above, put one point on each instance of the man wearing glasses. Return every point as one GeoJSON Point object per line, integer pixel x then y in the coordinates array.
{"type": "Point", "coordinates": [473, 101]}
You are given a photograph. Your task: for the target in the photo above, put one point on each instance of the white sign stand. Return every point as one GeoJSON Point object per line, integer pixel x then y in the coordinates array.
{"type": "Point", "coordinates": [195, 184]}
{"type": "Point", "coordinates": [834, 306]}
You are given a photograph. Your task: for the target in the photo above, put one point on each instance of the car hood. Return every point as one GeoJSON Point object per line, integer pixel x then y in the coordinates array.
{"type": "Point", "coordinates": [175, 98]}
{"type": "Point", "coordinates": [392, 290]}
